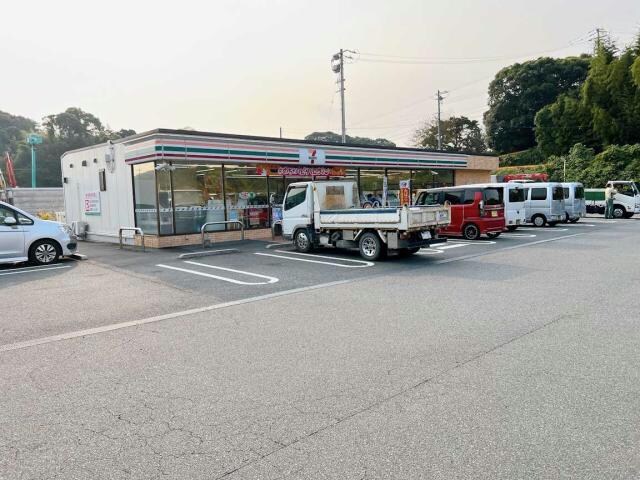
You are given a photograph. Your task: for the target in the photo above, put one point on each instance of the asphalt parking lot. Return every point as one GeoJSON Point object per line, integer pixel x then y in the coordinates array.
{"type": "Point", "coordinates": [510, 358]}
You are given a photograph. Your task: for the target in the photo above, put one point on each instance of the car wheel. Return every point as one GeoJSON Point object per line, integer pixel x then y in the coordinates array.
{"type": "Point", "coordinates": [539, 220]}
{"type": "Point", "coordinates": [618, 211]}
{"type": "Point", "coordinates": [471, 232]}
{"type": "Point", "coordinates": [302, 241]}
{"type": "Point", "coordinates": [512, 228]}
{"type": "Point", "coordinates": [44, 252]}
{"type": "Point", "coordinates": [371, 247]}
{"type": "Point", "coordinates": [493, 234]}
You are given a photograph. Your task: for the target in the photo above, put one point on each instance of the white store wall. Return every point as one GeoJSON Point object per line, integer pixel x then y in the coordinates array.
{"type": "Point", "coordinates": [116, 203]}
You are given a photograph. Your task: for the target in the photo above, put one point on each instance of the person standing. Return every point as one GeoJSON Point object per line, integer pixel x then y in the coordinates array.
{"type": "Point", "coordinates": [609, 195]}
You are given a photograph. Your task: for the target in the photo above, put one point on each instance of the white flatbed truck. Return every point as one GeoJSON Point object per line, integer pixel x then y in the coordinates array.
{"type": "Point", "coordinates": [626, 203]}
{"type": "Point", "coordinates": [328, 213]}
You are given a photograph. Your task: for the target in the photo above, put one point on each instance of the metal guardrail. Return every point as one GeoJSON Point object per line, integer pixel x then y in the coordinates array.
{"type": "Point", "coordinates": [226, 222]}
{"type": "Point", "coordinates": [131, 229]}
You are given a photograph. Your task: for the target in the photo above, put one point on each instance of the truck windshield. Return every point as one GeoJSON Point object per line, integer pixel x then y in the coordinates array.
{"type": "Point", "coordinates": [637, 184]}
{"type": "Point", "coordinates": [516, 195]}
{"type": "Point", "coordinates": [492, 196]}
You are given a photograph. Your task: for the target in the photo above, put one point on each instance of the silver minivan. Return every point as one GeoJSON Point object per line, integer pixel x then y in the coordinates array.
{"type": "Point", "coordinates": [544, 203]}
{"type": "Point", "coordinates": [24, 237]}
{"type": "Point", "coordinates": [574, 202]}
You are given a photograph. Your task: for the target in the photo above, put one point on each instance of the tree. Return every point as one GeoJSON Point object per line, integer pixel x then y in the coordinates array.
{"type": "Point", "coordinates": [13, 130]}
{"type": "Point", "coordinates": [458, 134]}
{"type": "Point", "coordinates": [605, 111]}
{"type": "Point", "coordinates": [71, 129]}
{"type": "Point", "coordinates": [332, 137]}
{"type": "Point", "coordinates": [519, 91]}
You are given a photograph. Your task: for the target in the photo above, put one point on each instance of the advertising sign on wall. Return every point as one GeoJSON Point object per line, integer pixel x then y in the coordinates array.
{"type": "Point", "coordinates": [92, 203]}
{"type": "Point", "coordinates": [287, 171]}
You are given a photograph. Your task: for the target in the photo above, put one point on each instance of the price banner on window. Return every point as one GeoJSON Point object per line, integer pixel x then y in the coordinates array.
{"type": "Point", "coordinates": [405, 192]}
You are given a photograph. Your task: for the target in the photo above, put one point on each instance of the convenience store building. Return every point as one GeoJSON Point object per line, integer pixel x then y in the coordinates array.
{"type": "Point", "coordinates": [170, 182]}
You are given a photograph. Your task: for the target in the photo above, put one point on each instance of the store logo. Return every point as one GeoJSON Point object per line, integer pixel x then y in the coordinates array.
{"type": "Point", "coordinates": [311, 156]}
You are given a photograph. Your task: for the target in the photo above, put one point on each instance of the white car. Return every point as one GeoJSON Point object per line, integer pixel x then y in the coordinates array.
{"type": "Point", "coordinates": [24, 237]}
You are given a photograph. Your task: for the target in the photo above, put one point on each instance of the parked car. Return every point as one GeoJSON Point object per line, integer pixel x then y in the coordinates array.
{"type": "Point", "coordinates": [544, 204]}
{"type": "Point", "coordinates": [475, 210]}
{"type": "Point", "coordinates": [24, 237]}
{"type": "Point", "coordinates": [513, 200]}
{"type": "Point", "coordinates": [574, 203]}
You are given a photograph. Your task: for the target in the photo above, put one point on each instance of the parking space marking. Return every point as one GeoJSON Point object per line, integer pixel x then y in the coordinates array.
{"type": "Point", "coordinates": [33, 269]}
{"type": "Point", "coordinates": [546, 230]}
{"type": "Point", "coordinates": [519, 235]}
{"type": "Point", "coordinates": [242, 272]}
{"type": "Point", "coordinates": [579, 225]}
{"type": "Point", "coordinates": [471, 242]}
{"type": "Point", "coordinates": [429, 251]}
{"type": "Point", "coordinates": [453, 245]}
{"type": "Point", "coordinates": [159, 318]}
{"type": "Point", "coordinates": [361, 263]}
{"type": "Point", "coordinates": [218, 277]}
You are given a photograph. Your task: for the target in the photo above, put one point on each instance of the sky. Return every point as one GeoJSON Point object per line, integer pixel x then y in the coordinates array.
{"type": "Point", "coordinates": [255, 66]}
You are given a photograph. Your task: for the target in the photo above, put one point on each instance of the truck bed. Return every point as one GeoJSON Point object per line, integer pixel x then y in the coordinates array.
{"type": "Point", "coordinates": [406, 218]}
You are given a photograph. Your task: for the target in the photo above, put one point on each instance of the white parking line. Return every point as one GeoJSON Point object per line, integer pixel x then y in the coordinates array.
{"type": "Point", "coordinates": [218, 277]}
{"type": "Point", "coordinates": [242, 272]}
{"type": "Point", "coordinates": [542, 229]}
{"type": "Point", "coordinates": [471, 242]}
{"type": "Point", "coordinates": [519, 235]}
{"type": "Point", "coordinates": [361, 263]}
{"type": "Point", "coordinates": [33, 269]}
{"type": "Point", "coordinates": [579, 225]}
{"type": "Point", "coordinates": [453, 245]}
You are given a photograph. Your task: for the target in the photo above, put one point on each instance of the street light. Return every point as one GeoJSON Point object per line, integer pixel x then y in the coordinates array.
{"type": "Point", "coordinates": [33, 140]}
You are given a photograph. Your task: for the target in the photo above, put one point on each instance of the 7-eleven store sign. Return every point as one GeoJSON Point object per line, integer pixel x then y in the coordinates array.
{"type": "Point", "coordinates": [311, 156]}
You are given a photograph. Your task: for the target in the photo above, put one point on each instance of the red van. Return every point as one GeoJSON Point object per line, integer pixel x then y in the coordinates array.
{"type": "Point", "coordinates": [475, 211]}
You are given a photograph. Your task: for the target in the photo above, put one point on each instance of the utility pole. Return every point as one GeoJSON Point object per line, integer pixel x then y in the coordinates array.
{"type": "Point", "coordinates": [337, 66]}
{"type": "Point", "coordinates": [280, 132]}
{"type": "Point", "coordinates": [440, 98]}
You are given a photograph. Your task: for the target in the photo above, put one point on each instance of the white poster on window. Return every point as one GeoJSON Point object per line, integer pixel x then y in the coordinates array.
{"type": "Point", "coordinates": [92, 203]}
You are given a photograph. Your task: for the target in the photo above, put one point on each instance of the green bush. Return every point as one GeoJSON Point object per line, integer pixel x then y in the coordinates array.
{"type": "Point", "coordinates": [533, 156]}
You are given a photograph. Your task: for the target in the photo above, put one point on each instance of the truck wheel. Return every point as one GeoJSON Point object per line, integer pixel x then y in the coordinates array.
{"type": "Point", "coordinates": [618, 211]}
{"type": "Point", "coordinates": [493, 234]}
{"type": "Point", "coordinates": [371, 247]}
{"type": "Point", "coordinates": [302, 241]}
{"type": "Point", "coordinates": [512, 228]}
{"type": "Point", "coordinates": [539, 220]}
{"type": "Point", "coordinates": [628, 215]}
{"type": "Point", "coordinates": [44, 252]}
{"type": "Point", "coordinates": [471, 232]}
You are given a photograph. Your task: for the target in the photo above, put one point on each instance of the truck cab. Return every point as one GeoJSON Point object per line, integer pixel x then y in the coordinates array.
{"type": "Point", "coordinates": [626, 202]}
{"type": "Point", "coordinates": [328, 213]}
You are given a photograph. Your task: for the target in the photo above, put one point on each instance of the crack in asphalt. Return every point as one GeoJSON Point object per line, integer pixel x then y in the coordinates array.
{"type": "Point", "coordinates": [402, 392]}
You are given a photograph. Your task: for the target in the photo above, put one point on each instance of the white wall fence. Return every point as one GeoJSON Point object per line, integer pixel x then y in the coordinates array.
{"type": "Point", "coordinates": [34, 200]}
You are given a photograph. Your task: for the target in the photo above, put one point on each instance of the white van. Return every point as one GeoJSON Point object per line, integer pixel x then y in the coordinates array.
{"type": "Point", "coordinates": [544, 203]}
{"type": "Point", "coordinates": [513, 194]}
{"type": "Point", "coordinates": [574, 203]}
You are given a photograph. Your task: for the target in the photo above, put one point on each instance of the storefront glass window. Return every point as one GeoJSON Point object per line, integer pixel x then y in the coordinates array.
{"type": "Point", "coordinates": [247, 196]}
{"type": "Point", "coordinates": [394, 177]}
{"type": "Point", "coordinates": [165, 201]}
{"type": "Point", "coordinates": [371, 181]}
{"type": "Point", "coordinates": [146, 208]}
{"type": "Point", "coordinates": [197, 196]}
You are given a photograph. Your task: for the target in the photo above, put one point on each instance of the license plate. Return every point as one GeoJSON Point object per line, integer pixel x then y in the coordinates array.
{"type": "Point", "coordinates": [494, 213]}
{"type": "Point", "coordinates": [426, 235]}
